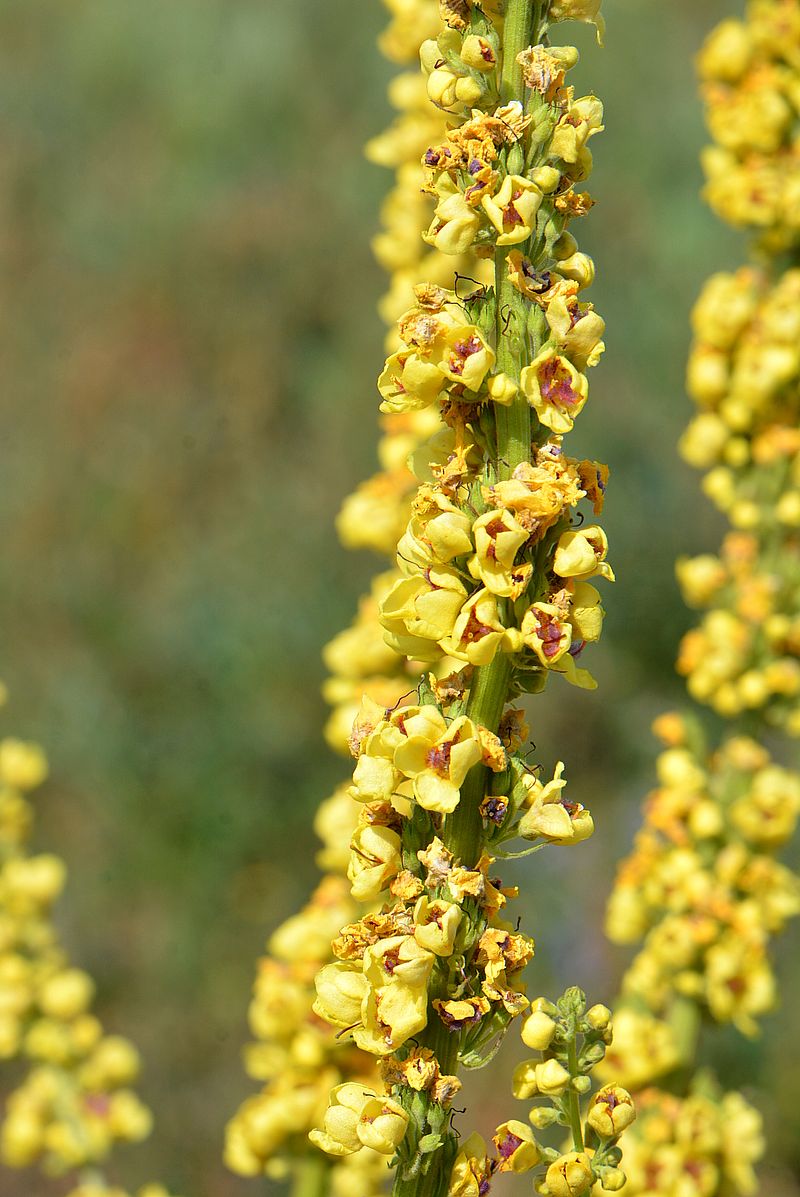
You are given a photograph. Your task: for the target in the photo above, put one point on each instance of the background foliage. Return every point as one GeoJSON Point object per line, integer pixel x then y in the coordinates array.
{"type": "Point", "coordinates": [187, 349]}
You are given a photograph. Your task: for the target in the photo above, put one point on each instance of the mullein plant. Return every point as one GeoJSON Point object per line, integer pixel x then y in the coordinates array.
{"type": "Point", "coordinates": [74, 1101]}
{"type": "Point", "coordinates": [492, 592]}
{"type": "Point", "coordinates": [489, 593]}
{"type": "Point", "coordinates": [703, 891]}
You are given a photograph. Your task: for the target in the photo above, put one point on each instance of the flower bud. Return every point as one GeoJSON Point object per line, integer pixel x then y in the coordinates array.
{"type": "Point", "coordinates": [477, 52]}
{"type": "Point", "coordinates": [543, 1117]}
{"type": "Point", "coordinates": [22, 765]}
{"type": "Point", "coordinates": [538, 1030]}
{"type": "Point", "coordinates": [546, 178]}
{"type": "Point", "coordinates": [66, 994]}
{"type": "Point", "coordinates": [468, 91]}
{"type": "Point", "coordinates": [551, 1078]}
{"type": "Point", "coordinates": [598, 1017]}
{"type": "Point", "coordinates": [341, 989]}
{"type": "Point", "coordinates": [441, 87]}
{"type": "Point", "coordinates": [593, 1054]}
{"type": "Point", "coordinates": [502, 389]}
{"type": "Point", "coordinates": [565, 247]}
{"type": "Point", "coordinates": [613, 1179]}
{"type": "Point", "coordinates": [579, 268]}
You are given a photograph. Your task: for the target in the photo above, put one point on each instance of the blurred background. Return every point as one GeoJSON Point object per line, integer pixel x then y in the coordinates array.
{"type": "Point", "coordinates": [188, 344]}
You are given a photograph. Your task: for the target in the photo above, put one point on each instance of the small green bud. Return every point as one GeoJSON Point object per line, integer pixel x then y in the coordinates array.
{"type": "Point", "coordinates": [543, 1117]}
{"type": "Point", "coordinates": [572, 1002]}
{"type": "Point", "coordinates": [581, 1084]}
{"type": "Point", "coordinates": [592, 1054]}
{"type": "Point", "coordinates": [567, 56]}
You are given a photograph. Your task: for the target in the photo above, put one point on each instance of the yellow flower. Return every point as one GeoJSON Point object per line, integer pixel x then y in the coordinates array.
{"type": "Point", "coordinates": [395, 1008]}
{"type": "Point", "coordinates": [420, 611]}
{"type": "Point", "coordinates": [341, 991]}
{"type": "Point", "coordinates": [436, 925]}
{"type": "Point", "coordinates": [498, 537]}
{"type": "Point", "coordinates": [375, 777]}
{"type": "Point", "coordinates": [582, 120]}
{"type": "Point", "coordinates": [581, 554]}
{"type": "Point", "coordinates": [478, 632]}
{"type": "Point", "coordinates": [466, 357]}
{"type": "Point", "coordinates": [455, 222]}
{"type": "Point", "coordinates": [550, 817]}
{"type": "Point", "coordinates": [375, 858]}
{"type": "Point", "coordinates": [461, 1012]}
{"type": "Point", "coordinates": [437, 758]}
{"type": "Point", "coordinates": [577, 328]}
{"type": "Point", "coordinates": [409, 381]}
{"type": "Point", "coordinates": [513, 209]}
{"type": "Point", "coordinates": [740, 984]}
{"type": "Point", "coordinates": [471, 1170]}
{"type": "Point", "coordinates": [382, 1124]}
{"type": "Point", "coordinates": [339, 1134]}
{"type": "Point", "coordinates": [516, 1148]}
{"type": "Point", "coordinates": [547, 631]}
{"type": "Point", "coordinates": [767, 813]}
{"type": "Point", "coordinates": [555, 389]}
{"type": "Point", "coordinates": [438, 531]}
{"type": "Point", "coordinates": [725, 307]}
{"type": "Point", "coordinates": [611, 1110]}
{"type": "Point", "coordinates": [570, 1176]}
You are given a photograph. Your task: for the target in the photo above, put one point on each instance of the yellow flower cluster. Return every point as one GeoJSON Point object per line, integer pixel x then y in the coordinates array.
{"type": "Point", "coordinates": [296, 1057]}
{"type": "Point", "coordinates": [570, 1041]}
{"type": "Point", "coordinates": [703, 891]}
{"type": "Point", "coordinates": [703, 887]}
{"type": "Point", "coordinates": [744, 374]}
{"type": "Point", "coordinates": [693, 1146]}
{"type": "Point", "coordinates": [493, 590]}
{"type": "Point", "coordinates": [75, 1102]}
{"type": "Point", "coordinates": [749, 73]}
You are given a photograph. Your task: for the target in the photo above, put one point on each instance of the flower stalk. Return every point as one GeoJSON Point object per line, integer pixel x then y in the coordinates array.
{"type": "Point", "coordinates": [492, 595]}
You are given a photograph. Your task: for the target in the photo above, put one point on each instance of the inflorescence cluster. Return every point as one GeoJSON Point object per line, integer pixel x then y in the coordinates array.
{"type": "Point", "coordinates": [75, 1101]}
{"type": "Point", "coordinates": [703, 891]}
{"type": "Point", "coordinates": [496, 552]}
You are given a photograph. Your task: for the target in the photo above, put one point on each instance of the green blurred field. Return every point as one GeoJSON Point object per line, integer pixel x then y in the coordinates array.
{"type": "Point", "coordinates": [187, 352]}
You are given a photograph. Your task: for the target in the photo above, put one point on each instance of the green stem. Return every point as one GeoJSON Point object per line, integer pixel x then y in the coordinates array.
{"type": "Point", "coordinates": [521, 16]}
{"type": "Point", "coordinates": [463, 831]}
{"type": "Point", "coordinates": [488, 693]}
{"type": "Point", "coordinates": [513, 423]}
{"type": "Point", "coordinates": [311, 1176]}
{"type": "Point", "coordinates": [573, 1100]}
